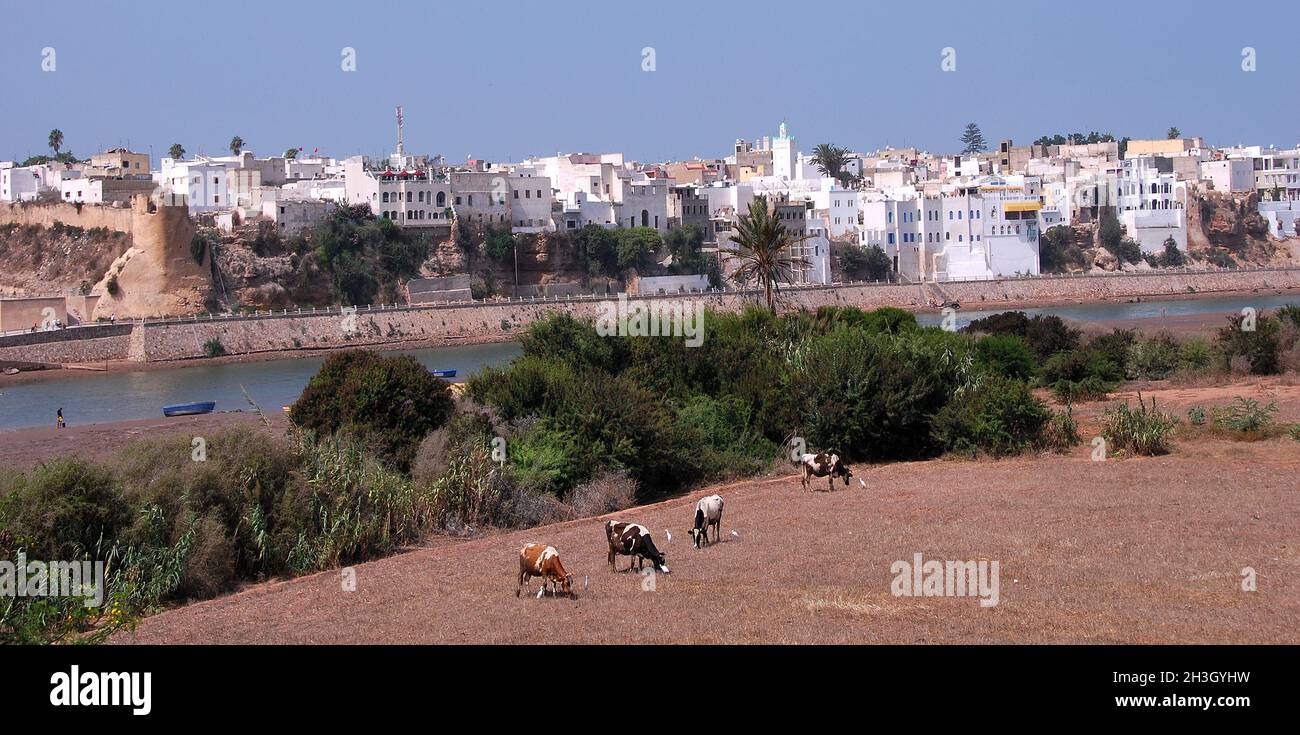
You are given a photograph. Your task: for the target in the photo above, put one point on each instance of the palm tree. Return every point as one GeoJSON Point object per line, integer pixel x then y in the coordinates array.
{"type": "Point", "coordinates": [291, 153]}
{"type": "Point", "coordinates": [1173, 133]}
{"type": "Point", "coordinates": [830, 160]}
{"type": "Point", "coordinates": [761, 241]}
{"type": "Point", "coordinates": [236, 145]}
{"type": "Point", "coordinates": [177, 151]}
{"type": "Point", "coordinates": [56, 140]}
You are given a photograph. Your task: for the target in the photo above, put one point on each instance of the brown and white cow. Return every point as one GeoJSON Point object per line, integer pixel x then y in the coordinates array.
{"type": "Point", "coordinates": [708, 512]}
{"type": "Point", "coordinates": [631, 539]}
{"type": "Point", "coordinates": [825, 464]}
{"type": "Point", "coordinates": [540, 560]}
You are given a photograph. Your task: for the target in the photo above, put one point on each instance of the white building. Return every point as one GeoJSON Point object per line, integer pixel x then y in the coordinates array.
{"type": "Point", "coordinates": [645, 204]}
{"type": "Point", "coordinates": [1151, 202]}
{"type": "Point", "coordinates": [292, 216]}
{"type": "Point", "coordinates": [409, 197]}
{"type": "Point", "coordinates": [1231, 175]}
{"type": "Point", "coordinates": [980, 229]}
{"type": "Point", "coordinates": [1276, 171]}
{"type": "Point", "coordinates": [19, 183]}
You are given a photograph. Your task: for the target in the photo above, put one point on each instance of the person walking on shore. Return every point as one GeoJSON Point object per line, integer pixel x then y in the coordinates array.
{"type": "Point", "coordinates": [58, 418]}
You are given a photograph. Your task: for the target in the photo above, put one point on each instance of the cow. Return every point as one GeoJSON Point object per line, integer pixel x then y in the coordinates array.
{"type": "Point", "coordinates": [631, 539]}
{"type": "Point", "coordinates": [540, 560]}
{"type": "Point", "coordinates": [825, 464]}
{"type": "Point", "coordinates": [708, 512]}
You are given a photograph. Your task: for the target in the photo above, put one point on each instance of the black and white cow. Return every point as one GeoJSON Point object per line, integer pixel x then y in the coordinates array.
{"type": "Point", "coordinates": [708, 512]}
{"type": "Point", "coordinates": [631, 539]}
{"type": "Point", "coordinates": [825, 464]}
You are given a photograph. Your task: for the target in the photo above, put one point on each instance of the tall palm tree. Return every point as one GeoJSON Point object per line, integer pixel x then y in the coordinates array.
{"type": "Point", "coordinates": [236, 145]}
{"type": "Point", "coordinates": [830, 160]}
{"type": "Point", "coordinates": [56, 140]}
{"type": "Point", "coordinates": [177, 151]}
{"type": "Point", "coordinates": [291, 153]}
{"type": "Point", "coordinates": [762, 243]}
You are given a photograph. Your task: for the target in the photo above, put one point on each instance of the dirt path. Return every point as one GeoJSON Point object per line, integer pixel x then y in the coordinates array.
{"type": "Point", "coordinates": [1126, 550]}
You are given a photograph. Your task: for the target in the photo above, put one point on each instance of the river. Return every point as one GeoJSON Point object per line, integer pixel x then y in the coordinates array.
{"type": "Point", "coordinates": [119, 396]}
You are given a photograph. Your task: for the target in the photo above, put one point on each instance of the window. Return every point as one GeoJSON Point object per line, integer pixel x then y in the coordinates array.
{"type": "Point", "coordinates": [469, 199]}
{"type": "Point", "coordinates": [516, 193]}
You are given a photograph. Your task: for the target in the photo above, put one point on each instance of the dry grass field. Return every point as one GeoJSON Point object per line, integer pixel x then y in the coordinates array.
{"type": "Point", "coordinates": [1127, 550]}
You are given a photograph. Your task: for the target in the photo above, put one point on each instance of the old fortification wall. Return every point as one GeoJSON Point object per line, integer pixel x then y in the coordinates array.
{"type": "Point", "coordinates": [87, 216]}
{"type": "Point", "coordinates": [155, 277]}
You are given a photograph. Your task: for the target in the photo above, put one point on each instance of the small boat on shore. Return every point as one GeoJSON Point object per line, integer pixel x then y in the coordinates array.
{"type": "Point", "coordinates": [189, 409]}
{"type": "Point", "coordinates": [443, 373]}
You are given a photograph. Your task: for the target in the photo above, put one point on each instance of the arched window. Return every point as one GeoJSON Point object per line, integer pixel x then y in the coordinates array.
{"type": "Point", "coordinates": [442, 199]}
{"type": "Point", "coordinates": [645, 218]}
{"type": "Point", "coordinates": [385, 196]}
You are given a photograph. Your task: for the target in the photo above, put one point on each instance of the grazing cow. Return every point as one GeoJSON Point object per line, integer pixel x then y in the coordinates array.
{"type": "Point", "coordinates": [708, 512]}
{"type": "Point", "coordinates": [540, 560]}
{"type": "Point", "coordinates": [827, 465]}
{"type": "Point", "coordinates": [631, 539]}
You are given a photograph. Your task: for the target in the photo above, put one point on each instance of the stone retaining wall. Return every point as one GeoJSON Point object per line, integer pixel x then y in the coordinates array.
{"type": "Point", "coordinates": [97, 343]}
{"type": "Point", "coordinates": [184, 339]}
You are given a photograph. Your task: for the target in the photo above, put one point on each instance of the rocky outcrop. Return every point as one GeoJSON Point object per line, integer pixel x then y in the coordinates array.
{"type": "Point", "coordinates": [1230, 222]}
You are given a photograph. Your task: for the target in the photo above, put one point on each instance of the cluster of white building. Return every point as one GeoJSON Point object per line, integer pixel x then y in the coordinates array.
{"type": "Point", "coordinates": [936, 217]}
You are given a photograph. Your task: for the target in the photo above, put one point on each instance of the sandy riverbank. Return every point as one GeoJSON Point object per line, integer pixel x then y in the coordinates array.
{"type": "Point", "coordinates": [25, 447]}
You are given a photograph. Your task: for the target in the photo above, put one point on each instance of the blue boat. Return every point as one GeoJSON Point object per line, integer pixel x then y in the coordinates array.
{"type": "Point", "coordinates": [189, 409]}
{"type": "Point", "coordinates": [443, 373]}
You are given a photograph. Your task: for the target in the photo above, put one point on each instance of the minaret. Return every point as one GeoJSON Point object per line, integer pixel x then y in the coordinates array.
{"type": "Point", "coordinates": [401, 150]}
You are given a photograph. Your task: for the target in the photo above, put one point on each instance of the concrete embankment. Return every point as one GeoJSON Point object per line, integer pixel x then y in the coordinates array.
{"type": "Point", "coordinates": [455, 323]}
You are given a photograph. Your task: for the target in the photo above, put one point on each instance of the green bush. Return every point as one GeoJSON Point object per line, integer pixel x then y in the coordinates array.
{"type": "Point", "coordinates": [998, 417]}
{"type": "Point", "coordinates": [1081, 374]}
{"type": "Point", "coordinates": [390, 403]}
{"type": "Point", "coordinates": [63, 509]}
{"type": "Point", "coordinates": [1062, 432]}
{"type": "Point", "coordinates": [872, 395]}
{"type": "Point", "coordinates": [1245, 415]}
{"type": "Point", "coordinates": [1142, 430]}
{"type": "Point", "coordinates": [1006, 355]}
{"type": "Point", "coordinates": [1196, 415]}
{"type": "Point", "coordinates": [1156, 358]}
{"type": "Point", "coordinates": [1260, 346]}
{"type": "Point", "coordinates": [1046, 334]}
{"type": "Point", "coordinates": [214, 348]}
{"type": "Point", "coordinates": [1195, 355]}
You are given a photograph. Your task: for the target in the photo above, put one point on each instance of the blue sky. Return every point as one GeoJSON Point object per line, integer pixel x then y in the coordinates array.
{"type": "Point", "coordinates": [505, 79]}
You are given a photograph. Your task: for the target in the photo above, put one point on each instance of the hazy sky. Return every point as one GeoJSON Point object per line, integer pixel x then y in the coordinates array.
{"type": "Point", "coordinates": [504, 79]}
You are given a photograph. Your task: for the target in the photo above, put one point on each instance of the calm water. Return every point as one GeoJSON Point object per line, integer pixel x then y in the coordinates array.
{"type": "Point", "coordinates": [121, 396]}
{"type": "Point", "coordinates": [99, 397]}
{"type": "Point", "coordinates": [1144, 310]}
